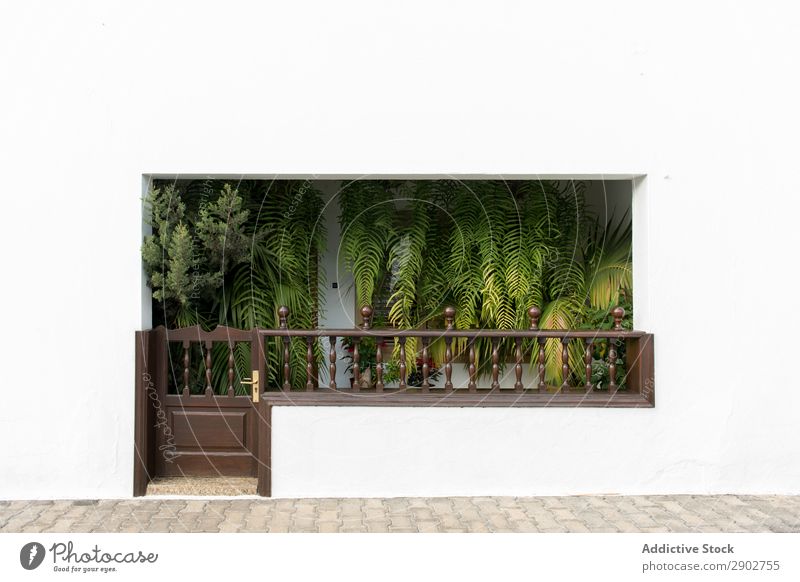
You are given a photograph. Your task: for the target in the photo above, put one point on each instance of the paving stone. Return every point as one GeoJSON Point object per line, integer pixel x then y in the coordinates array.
{"type": "Point", "coordinates": [422, 514]}
{"type": "Point", "coordinates": [641, 501]}
{"type": "Point", "coordinates": [16, 524]}
{"type": "Point", "coordinates": [591, 519]}
{"type": "Point", "coordinates": [255, 524]}
{"type": "Point", "coordinates": [515, 513]}
{"type": "Point", "coordinates": [328, 503]}
{"type": "Point", "coordinates": [440, 506]}
{"type": "Point", "coordinates": [373, 513]}
{"type": "Point", "coordinates": [232, 515]}
{"type": "Point", "coordinates": [545, 521]}
{"type": "Point", "coordinates": [668, 513]}
{"type": "Point", "coordinates": [66, 525]}
{"type": "Point", "coordinates": [498, 522]}
{"type": "Point", "coordinates": [641, 519]}
{"type": "Point", "coordinates": [691, 519]}
{"type": "Point", "coordinates": [427, 526]}
{"type": "Point", "coordinates": [449, 520]}
{"type": "Point", "coordinates": [533, 507]}
{"type": "Point", "coordinates": [400, 521]}
{"type": "Point", "coordinates": [241, 504]}
{"type": "Point", "coordinates": [460, 503]}
{"type": "Point", "coordinates": [305, 508]}
{"type": "Point", "coordinates": [304, 523]}
{"type": "Point", "coordinates": [564, 514]}
{"type": "Point", "coordinates": [523, 525]}
{"type": "Point", "coordinates": [49, 516]}
{"type": "Point", "coordinates": [348, 523]}
{"type": "Point", "coordinates": [553, 503]}
{"type": "Point", "coordinates": [470, 514]}
{"type": "Point", "coordinates": [599, 503]}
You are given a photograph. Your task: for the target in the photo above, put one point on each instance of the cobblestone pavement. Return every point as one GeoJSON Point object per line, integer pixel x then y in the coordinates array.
{"type": "Point", "coordinates": [672, 513]}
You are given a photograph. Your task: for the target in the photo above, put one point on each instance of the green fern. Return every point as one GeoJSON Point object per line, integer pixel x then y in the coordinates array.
{"type": "Point", "coordinates": [492, 249]}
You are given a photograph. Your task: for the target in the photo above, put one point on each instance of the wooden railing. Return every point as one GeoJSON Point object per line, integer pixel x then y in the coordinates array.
{"type": "Point", "coordinates": [527, 344]}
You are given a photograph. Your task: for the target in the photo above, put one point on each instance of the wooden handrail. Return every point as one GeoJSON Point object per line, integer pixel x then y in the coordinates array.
{"type": "Point", "coordinates": [455, 333]}
{"type": "Point", "coordinates": [639, 356]}
{"type": "Point", "coordinates": [195, 333]}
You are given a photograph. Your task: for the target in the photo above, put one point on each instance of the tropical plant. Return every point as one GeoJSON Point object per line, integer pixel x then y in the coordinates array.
{"type": "Point", "coordinates": [231, 255]}
{"type": "Point", "coordinates": [367, 352]}
{"type": "Point", "coordinates": [492, 249]}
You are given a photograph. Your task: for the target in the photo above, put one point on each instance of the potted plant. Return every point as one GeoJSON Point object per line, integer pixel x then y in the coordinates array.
{"type": "Point", "coordinates": [367, 350]}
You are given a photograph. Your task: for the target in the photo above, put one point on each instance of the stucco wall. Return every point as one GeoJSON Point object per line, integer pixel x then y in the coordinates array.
{"type": "Point", "coordinates": [699, 98]}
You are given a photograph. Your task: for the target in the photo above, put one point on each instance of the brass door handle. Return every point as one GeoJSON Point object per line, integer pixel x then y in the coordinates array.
{"type": "Point", "coordinates": [254, 383]}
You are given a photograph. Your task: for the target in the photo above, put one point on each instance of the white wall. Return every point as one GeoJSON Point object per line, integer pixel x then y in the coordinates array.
{"type": "Point", "coordinates": [700, 98]}
{"type": "Point", "coordinates": [338, 304]}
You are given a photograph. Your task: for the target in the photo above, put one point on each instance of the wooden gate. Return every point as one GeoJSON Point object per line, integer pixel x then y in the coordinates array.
{"type": "Point", "coordinates": [189, 423]}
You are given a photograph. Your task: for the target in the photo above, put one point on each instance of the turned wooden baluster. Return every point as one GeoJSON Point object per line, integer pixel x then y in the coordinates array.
{"type": "Point", "coordinates": [378, 365]}
{"type": "Point", "coordinates": [283, 315]}
{"type": "Point", "coordinates": [366, 323]}
{"type": "Point", "coordinates": [186, 368]}
{"type": "Point", "coordinates": [542, 384]}
{"type": "Point", "coordinates": [209, 388]}
{"type": "Point", "coordinates": [230, 368]}
{"type": "Point", "coordinates": [287, 374]}
{"type": "Point", "coordinates": [402, 342]}
{"type": "Point", "coordinates": [425, 368]}
{"type": "Point", "coordinates": [332, 360]}
{"type": "Point", "coordinates": [564, 364]}
{"type": "Point", "coordinates": [612, 365]}
{"type": "Point", "coordinates": [534, 313]}
{"type": "Point", "coordinates": [587, 360]}
{"type": "Point", "coordinates": [449, 320]}
{"type": "Point", "coordinates": [617, 313]}
{"type": "Point", "coordinates": [309, 364]}
{"type": "Point", "coordinates": [518, 365]}
{"type": "Point", "coordinates": [473, 370]}
{"type": "Point", "coordinates": [495, 364]}
{"type": "Point", "coordinates": [356, 366]}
